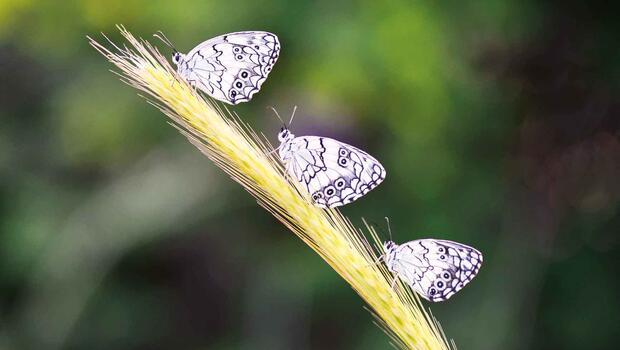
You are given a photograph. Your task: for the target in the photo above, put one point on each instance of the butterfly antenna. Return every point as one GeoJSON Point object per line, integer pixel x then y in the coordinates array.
{"type": "Point", "coordinates": [389, 229]}
{"type": "Point", "coordinates": [161, 36]}
{"type": "Point", "coordinates": [292, 116]}
{"type": "Point", "coordinates": [277, 115]}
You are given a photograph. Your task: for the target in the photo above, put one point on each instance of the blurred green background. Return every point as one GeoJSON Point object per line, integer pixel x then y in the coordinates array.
{"type": "Point", "coordinates": [498, 123]}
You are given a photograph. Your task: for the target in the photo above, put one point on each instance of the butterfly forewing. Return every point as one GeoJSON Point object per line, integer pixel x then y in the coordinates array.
{"type": "Point", "coordinates": [333, 172]}
{"type": "Point", "coordinates": [231, 67]}
{"type": "Point", "coordinates": [435, 269]}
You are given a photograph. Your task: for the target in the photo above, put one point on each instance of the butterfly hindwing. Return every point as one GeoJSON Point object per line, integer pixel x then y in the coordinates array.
{"type": "Point", "coordinates": [231, 67]}
{"type": "Point", "coordinates": [435, 269]}
{"type": "Point", "coordinates": [334, 173]}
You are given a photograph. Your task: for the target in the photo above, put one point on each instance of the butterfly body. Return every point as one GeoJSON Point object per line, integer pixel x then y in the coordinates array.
{"type": "Point", "coordinates": [334, 173]}
{"type": "Point", "coordinates": [230, 67]}
{"type": "Point", "coordinates": [435, 269]}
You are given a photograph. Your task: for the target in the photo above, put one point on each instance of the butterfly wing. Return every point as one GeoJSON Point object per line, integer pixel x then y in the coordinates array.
{"type": "Point", "coordinates": [333, 172]}
{"type": "Point", "coordinates": [436, 269]}
{"type": "Point", "coordinates": [231, 67]}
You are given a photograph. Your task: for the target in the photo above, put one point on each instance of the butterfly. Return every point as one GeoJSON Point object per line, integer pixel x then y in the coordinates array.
{"type": "Point", "coordinates": [231, 67]}
{"type": "Point", "coordinates": [435, 269]}
{"type": "Point", "coordinates": [333, 172]}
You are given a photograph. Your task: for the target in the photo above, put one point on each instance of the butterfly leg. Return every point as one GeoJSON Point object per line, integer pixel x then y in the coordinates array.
{"type": "Point", "coordinates": [375, 262]}
{"type": "Point", "coordinates": [192, 84]}
{"type": "Point", "coordinates": [274, 150]}
{"type": "Point", "coordinates": [393, 284]}
{"type": "Point", "coordinates": [286, 171]}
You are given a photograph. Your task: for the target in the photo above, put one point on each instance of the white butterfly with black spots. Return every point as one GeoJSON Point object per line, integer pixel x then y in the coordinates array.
{"type": "Point", "coordinates": [333, 172]}
{"type": "Point", "coordinates": [230, 67]}
{"type": "Point", "coordinates": [435, 269]}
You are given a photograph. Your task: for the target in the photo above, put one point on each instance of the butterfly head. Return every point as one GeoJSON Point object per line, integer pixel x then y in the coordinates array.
{"type": "Point", "coordinates": [177, 57]}
{"type": "Point", "coordinates": [389, 254]}
{"type": "Point", "coordinates": [388, 246]}
{"type": "Point", "coordinates": [285, 135]}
